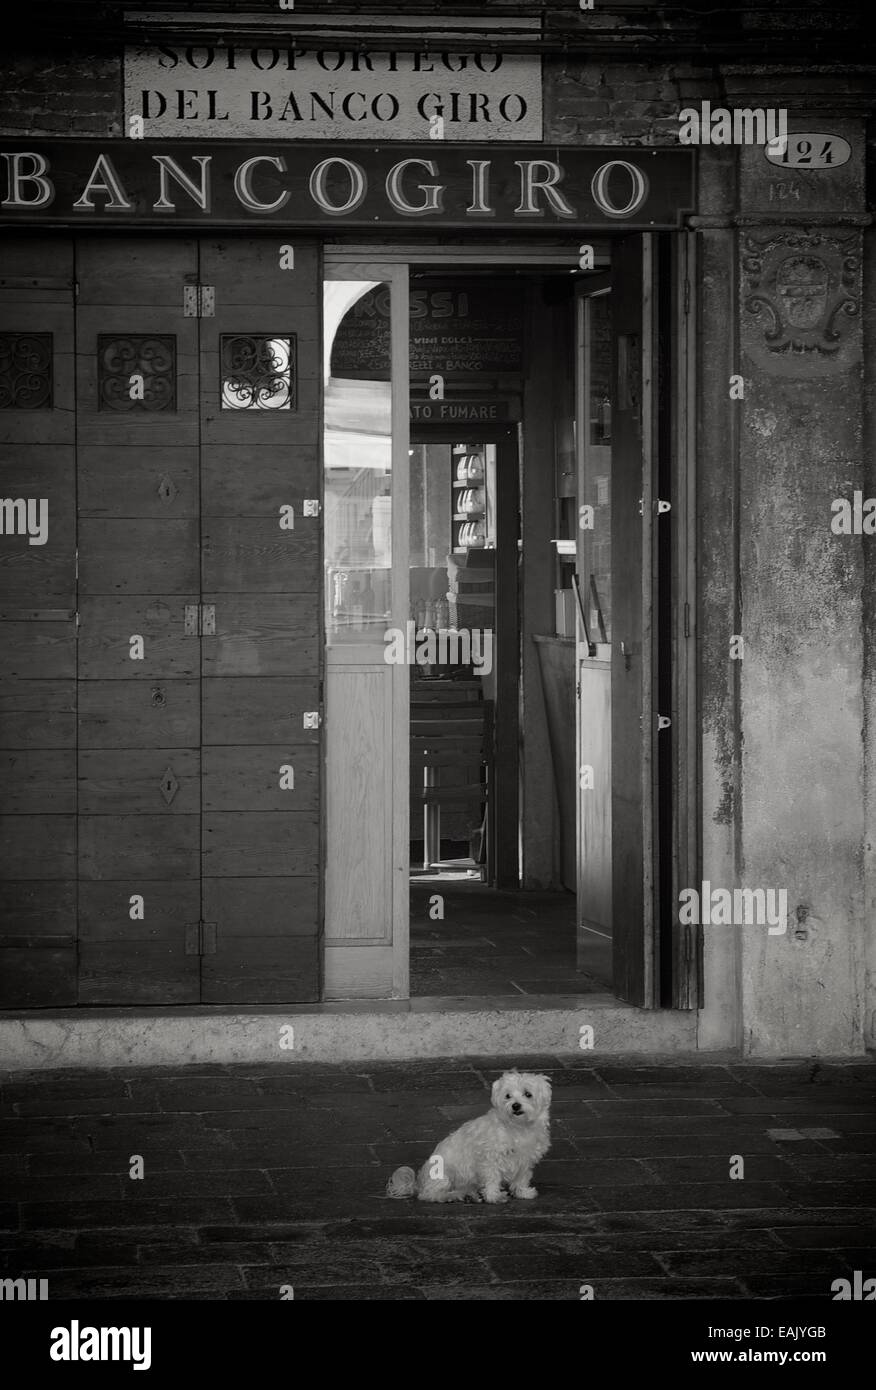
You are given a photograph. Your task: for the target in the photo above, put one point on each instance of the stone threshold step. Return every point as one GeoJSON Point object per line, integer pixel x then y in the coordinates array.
{"type": "Point", "coordinates": [347, 1031]}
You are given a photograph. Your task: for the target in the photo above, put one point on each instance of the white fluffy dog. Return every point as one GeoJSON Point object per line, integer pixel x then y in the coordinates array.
{"type": "Point", "coordinates": [496, 1151]}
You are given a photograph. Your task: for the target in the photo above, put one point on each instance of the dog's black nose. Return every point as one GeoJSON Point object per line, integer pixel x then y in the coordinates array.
{"type": "Point", "coordinates": [517, 1107]}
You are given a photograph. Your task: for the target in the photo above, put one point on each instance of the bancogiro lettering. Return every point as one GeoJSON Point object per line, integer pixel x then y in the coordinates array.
{"type": "Point", "coordinates": [307, 183]}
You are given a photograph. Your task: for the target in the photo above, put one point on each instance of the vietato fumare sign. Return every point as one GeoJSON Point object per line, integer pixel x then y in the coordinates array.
{"type": "Point", "coordinates": [315, 184]}
{"type": "Point", "coordinates": [289, 93]}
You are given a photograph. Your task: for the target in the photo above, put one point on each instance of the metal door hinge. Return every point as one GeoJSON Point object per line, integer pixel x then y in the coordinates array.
{"type": "Point", "coordinates": [199, 301]}
{"type": "Point", "coordinates": [311, 506]}
{"type": "Point", "coordinates": [200, 620]}
{"type": "Point", "coordinates": [659, 504]}
{"type": "Point", "coordinates": [200, 938]}
{"type": "Point", "coordinates": [312, 719]}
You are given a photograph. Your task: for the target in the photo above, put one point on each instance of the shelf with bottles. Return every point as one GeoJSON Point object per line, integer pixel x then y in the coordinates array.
{"type": "Point", "coordinates": [472, 496]}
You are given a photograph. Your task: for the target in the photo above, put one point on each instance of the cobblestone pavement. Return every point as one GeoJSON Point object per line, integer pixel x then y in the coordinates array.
{"type": "Point", "coordinates": [260, 1177]}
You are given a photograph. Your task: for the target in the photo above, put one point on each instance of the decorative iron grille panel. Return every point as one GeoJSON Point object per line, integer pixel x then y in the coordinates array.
{"type": "Point", "coordinates": [136, 373]}
{"type": "Point", "coordinates": [258, 371]}
{"type": "Point", "coordinates": [26, 371]}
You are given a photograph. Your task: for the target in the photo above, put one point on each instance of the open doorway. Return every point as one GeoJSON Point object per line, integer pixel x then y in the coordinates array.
{"type": "Point", "coordinates": [504, 628]}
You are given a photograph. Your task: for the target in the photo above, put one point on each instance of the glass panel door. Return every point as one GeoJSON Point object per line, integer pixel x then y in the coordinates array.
{"type": "Point", "coordinates": [366, 465]}
{"type": "Point", "coordinates": [593, 435]}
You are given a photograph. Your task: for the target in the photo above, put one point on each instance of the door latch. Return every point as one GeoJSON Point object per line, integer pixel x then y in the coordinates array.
{"type": "Point", "coordinates": [661, 506]}
{"type": "Point", "coordinates": [663, 722]}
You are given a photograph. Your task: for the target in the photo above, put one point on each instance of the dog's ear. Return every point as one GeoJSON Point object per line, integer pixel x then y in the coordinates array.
{"type": "Point", "coordinates": [498, 1088]}
{"type": "Point", "coordinates": [544, 1091]}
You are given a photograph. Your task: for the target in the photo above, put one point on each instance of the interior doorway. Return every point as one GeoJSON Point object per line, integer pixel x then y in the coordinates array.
{"type": "Point", "coordinates": [464, 675]}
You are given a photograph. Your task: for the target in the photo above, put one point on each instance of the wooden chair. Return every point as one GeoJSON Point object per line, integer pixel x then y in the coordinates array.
{"type": "Point", "coordinates": [451, 764]}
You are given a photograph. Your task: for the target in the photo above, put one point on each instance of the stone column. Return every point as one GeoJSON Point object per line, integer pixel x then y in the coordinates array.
{"type": "Point", "coordinates": [800, 586]}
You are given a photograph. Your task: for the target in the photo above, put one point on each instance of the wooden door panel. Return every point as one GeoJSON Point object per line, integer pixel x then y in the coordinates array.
{"type": "Point", "coordinates": [37, 714]}
{"type": "Point", "coordinates": [139, 568]}
{"type": "Point", "coordinates": [121, 714]}
{"type": "Point", "coordinates": [125, 960]}
{"type": "Point", "coordinates": [230, 490]}
{"type": "Point", "coordinates": [135, 270]}
{"type": "Point", "coordinates": [137, 972]}
{"type": "Point", "coordinates": [175, 503]}
{"type": "Point", "coordinates": [244, 555]}
{"type": "Point", "coordinates": [263, 709]}
{"type": "Point", "coordinates": [105, 413]}
{"type": "Point", "coordinates": [141, 480]}
{"type": "Point", "coordinates": [39, 910]}
{"type": "Point", "coordinates": [142, 847]}
{"type": "Point", "coordinates": [105, 910]}
{"type": "Point", "coordinates": [45, 313]}
{"type": "Point", "coordinates": [41, 975]}
{"type": "Point", "coordinates": [38, 650]}
{"type": "Point", "coordinates": [262, 635]}
{"type": "Point", "coordinates": [37, 626]}
{"type": "Point", "coordinates": [359, 804]}
{"type": "Point", "coordinates": [125, 781]}
{"type": "Point", "coordinates": [37, 781]}
{"type": "Point", "coordinates": [130, 291]}
{"type": "Point", "coordinates": [275, 430]}
{"type": "Point", "coordinates": [260, 907]}
{"type": "Point", "coordinates": [37, 576]}
{"type": "Point", "coordinates": [248, 269]}
{"type": "Point", "coordinates": [264, 581]}
{"type": "Point", "coordinates": [138, 555]}
{"type": "Point", "coordinates": [271, 969]}
{"type": "Point", "coordinates": [38, 846]}
{"type": "Point", "coordinates": [260, 844]}
{"type": "Point", "coordinates": [34, 574]}
{"type": "Point", "coordinates": [249, 779]}
{"type": "Point", "coordinates": [107, 624]}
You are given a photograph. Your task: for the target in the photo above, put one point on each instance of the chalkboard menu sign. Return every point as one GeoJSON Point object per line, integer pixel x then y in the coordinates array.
{"type": "Point", "coordinates": [473, 329]}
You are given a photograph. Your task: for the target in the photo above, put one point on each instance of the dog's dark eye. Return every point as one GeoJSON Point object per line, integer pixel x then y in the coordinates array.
{"type": "Point", "coordinates": [508, 1095]}
{"type": "Point", "coordinates": [528, 1095]}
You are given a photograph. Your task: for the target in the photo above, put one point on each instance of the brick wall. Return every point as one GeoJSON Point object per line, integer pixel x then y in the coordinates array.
{"type": "Point", "coordinates": [77, 95]}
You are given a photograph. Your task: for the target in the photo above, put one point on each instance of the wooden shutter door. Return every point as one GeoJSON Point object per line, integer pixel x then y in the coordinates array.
{"type": "Point", "coordinates": [37, 627]}
{"type": "Point", "coordinates": [139, 701]}
{"type": "Point", "coordinates": [260, 476]}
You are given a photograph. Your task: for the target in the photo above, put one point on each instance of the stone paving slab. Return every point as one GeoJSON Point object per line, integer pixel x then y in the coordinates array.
{"type": "Point", "coordinates": [258, 1177]}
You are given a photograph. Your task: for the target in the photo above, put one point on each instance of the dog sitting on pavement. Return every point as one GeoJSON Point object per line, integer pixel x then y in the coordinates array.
{"type": "Point", "coordinates": [490, 1157]}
